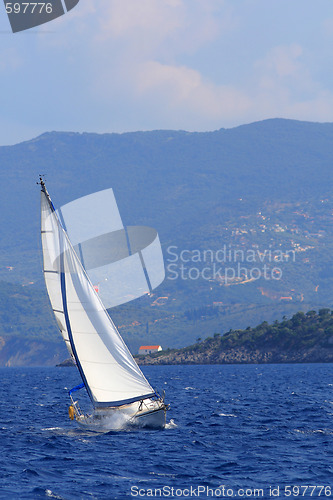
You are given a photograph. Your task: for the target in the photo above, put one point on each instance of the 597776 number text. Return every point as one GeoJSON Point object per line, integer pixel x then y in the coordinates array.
{"type": "Point", "coordinates": [28, 7]}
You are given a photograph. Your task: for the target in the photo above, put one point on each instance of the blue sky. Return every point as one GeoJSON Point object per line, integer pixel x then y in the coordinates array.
{"type": "Point", "coordinates": [127, 65]}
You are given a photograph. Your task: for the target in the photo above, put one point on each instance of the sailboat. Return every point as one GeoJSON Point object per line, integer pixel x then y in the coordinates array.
{"type": "Point", "coordinates": [114, 382]}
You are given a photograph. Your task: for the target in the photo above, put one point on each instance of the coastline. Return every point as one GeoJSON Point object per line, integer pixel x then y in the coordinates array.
{"type": "Point", "coordinates": [238, 356]}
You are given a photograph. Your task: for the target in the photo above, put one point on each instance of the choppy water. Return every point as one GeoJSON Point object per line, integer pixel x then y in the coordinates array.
{"type": "Point", "coordinates": [250, 428]}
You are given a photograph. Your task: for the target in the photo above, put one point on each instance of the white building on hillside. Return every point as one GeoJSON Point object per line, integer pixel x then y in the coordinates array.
{"type": "Point", "coordinates": [149, 349]}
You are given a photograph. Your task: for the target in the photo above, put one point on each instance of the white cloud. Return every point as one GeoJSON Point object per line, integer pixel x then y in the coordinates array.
{"type": "Point", "coordinates": [283, 85]}
{"type": "Point", "coordinates": [140, 46]}
{"type": "Point", "coordinates": [146, 22]}
{"type": "Point", "coordinates": [184, 90]}
{"type": "Point", "coordinates": [282, 62]}
{"type": "Point", "coordinates": [191, 64]}
{"type": "Point", "coordinates": [162, 28]}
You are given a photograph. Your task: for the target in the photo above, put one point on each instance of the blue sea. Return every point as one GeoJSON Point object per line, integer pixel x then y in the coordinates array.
{"type": "Point", "coordinates": [240, 431]}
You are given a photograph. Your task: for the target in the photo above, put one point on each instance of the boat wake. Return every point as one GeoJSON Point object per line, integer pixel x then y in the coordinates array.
{"type": "Point", "coordinates": [106, 423]}
{"type": "Point", "coordinates": [171, 425]}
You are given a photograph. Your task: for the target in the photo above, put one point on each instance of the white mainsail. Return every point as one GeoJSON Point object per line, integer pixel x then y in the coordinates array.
{"type": "Point", "coordinates": [108, 370]}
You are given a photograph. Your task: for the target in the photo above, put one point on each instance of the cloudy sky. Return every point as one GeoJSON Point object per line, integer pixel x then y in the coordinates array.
{"type": "Point", "coordinates": [125, 65]}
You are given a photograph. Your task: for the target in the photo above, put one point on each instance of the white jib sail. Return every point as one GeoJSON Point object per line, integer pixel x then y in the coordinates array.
{"type": "Point", "coordinates": [107, 367]}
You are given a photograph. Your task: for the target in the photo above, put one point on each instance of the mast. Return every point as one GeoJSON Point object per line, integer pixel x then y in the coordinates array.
{"type": "Point", "coordinates": [57, 311]}
{"type": "Point", "coordinates": [45, 191]}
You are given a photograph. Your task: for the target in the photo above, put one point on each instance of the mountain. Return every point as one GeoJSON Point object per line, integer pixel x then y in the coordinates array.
{"type": "Point", "coordinates": [244, 217]}
{"type": "Point", "coordinates": [170, 180]}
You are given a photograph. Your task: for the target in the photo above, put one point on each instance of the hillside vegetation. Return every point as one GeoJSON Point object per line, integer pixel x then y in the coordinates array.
{"type": "Point", "coordinates": [28, 333]}
{"type": "Point", "coordinates": [303, 338]}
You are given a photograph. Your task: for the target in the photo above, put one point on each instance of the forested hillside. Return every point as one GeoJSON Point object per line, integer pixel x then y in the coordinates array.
{"type": "Point", "coordinates": [302, 338]}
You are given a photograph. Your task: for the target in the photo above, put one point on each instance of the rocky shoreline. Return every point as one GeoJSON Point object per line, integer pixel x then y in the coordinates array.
{"type": "Point", "coordinates": [240, 355]}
